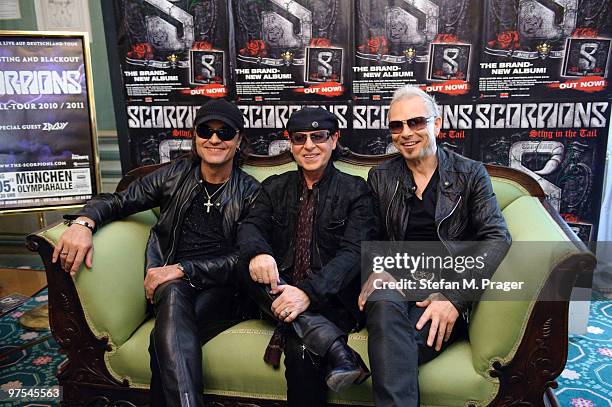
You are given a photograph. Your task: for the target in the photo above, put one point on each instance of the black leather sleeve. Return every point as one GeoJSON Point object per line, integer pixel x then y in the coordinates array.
{"type": "Point", "coordinates": [143, 193]}
{"type": "Point", "coordinates": [254, 232]}
{"type": "Point", "coordinates": [491, 233]}
{"type": "Point", "coordinates": [373, 184]}
{"type": "Point", "coordinates": [213, 272]}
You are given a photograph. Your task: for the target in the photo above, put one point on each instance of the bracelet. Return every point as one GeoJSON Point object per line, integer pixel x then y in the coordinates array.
{"type": "Point", "coordinates": [80, 222]}
{"type": "Point", "coordinates": [185, 277]}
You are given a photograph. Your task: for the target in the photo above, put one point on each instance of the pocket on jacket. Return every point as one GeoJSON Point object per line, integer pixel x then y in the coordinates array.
{"type": "Point", "coordinates": [457, 226]}
{"type": "Point", "coordinates": [336, 225]}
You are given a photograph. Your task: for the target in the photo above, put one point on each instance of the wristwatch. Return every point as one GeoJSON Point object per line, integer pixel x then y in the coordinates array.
{"type": "Point", "coordinates": [70, 222]}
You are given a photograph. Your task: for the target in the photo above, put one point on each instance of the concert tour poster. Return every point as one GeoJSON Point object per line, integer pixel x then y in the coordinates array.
{"type": "Point", "coordinates": [174, 51]}
{"type": "Point", "coordinates": [545, 49]}
{"type": "Point", "coordinates": [48, 156]}
{"type": "Point", "coordinates": [560, 144]}
{"type": "Point", "coordinates": [431, 44]}
{"type": "Point", "coordinates": [290, 50]}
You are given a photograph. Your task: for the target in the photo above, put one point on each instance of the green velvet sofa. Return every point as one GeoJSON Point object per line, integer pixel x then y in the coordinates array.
{"type": "Point", "coordinates": [515, 351]}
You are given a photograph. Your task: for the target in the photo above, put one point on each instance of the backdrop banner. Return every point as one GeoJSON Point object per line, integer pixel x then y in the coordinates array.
{"type": "Point", "coordinates": [522, 83]}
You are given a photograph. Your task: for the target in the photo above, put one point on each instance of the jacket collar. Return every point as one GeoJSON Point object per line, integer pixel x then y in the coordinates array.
{"type": "Point", "coordinates": [327, 174]}
{"type": "Point", "coordinates": [445, 173]}
{"type": "Point", "coordinates": [445, 162]}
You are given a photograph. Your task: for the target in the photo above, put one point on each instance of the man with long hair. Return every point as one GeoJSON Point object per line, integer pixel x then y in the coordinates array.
{"type": "Point", "coordinates": [190, 256]}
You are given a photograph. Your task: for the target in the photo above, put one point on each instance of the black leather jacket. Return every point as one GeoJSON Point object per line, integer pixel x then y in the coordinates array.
{"type": "Point", "coordinates": [466, 209]}
{"type": "Point", "coordinates": [344, 216]}
{"type": "Point", "coordinates": [172, 188]}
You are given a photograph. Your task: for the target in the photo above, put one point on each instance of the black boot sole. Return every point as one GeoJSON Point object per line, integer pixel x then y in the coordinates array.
{"type": "Point", "coordinates": [365, 372]}
{"type": "Point", "coordinates": [341, 380]}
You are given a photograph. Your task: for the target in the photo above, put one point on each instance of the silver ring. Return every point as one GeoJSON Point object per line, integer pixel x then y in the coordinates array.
{"type": "Point", "coordinates": [286, 313]}
{"type": "Point", "coordinates": [64, 253]}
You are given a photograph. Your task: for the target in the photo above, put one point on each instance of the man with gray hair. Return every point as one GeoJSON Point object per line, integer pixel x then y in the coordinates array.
{"type": "Point", "coordinates": [426, 194]}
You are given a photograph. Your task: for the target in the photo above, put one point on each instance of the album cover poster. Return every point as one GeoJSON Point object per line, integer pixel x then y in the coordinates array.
{"type": "Point", "coordinates": [265, 124]}
{"type": "Point", "coordinates": [159, 132]}
{"type": "Point", "coordinates": [546, 48]}
{"type": "Point", "coordinates": [427, 43]}
{"type": "Point", "coordinates": [47, 156]}
{"type": "Point", "coordinates": [292, 49]}
{"type": "Point", "coordinates": [174, 51]}
{"type": "Point", "coordinates": [560, 144]}
{"type": "Point", "coordinates": [370, 134]}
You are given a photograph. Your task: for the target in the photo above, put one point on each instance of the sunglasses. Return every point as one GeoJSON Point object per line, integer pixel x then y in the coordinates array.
{"type": "Point", "coordinates": [415, 124]}
{"type": "Point", "coordinates": [317, 137]}
{"type": "Point", "coordinates": [224, 133]}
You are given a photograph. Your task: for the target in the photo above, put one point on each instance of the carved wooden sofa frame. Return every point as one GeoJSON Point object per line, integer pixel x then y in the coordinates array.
{"type": "Point", "coordinates": [527, 380]}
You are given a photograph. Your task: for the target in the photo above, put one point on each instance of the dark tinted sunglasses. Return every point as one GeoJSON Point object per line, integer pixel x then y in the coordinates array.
{"type": "Point", "coordinates": [299, 138]}
{"type": "Point", "coordinates": [224, 133]}
{"type": "Point", "coordinates": [416, 123]}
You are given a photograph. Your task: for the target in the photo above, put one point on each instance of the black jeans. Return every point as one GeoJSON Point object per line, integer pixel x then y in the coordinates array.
{"type": "Point", "coordinates": [311, 336]}
{"type": "Point", "coordinates": [185, 318]}
{"type": "Point", "coordinates": [393, 346]}
{"type": "Point", "coordinates": [305, 375]}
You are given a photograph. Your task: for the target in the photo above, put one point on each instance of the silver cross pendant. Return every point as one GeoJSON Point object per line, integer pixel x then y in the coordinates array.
{"type": "Point", "coordinates": [208, 205]}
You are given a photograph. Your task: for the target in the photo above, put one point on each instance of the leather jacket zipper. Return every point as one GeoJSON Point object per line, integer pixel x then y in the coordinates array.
{"type": "Point", "coordinates": [389, 208]}
{"type": "Point", "coordinates": [439, 224]}
{"type": "Point", "coordinates": [314, 238]}
{"type": "Point", "coordinates": [177, 223]}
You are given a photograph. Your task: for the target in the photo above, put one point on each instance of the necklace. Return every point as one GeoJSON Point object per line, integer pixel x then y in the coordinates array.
{"type": "Point", "coordinates": [209, 203]}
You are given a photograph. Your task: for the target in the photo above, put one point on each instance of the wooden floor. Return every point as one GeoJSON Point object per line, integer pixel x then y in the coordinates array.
{"type": "Point", "coordinates": [22, 281]}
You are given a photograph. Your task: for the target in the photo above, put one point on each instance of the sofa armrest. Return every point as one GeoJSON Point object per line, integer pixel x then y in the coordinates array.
{"type": "Point", "coordinates": [523, 342]}
{"type": "Point", "coordinates": [111, 293]}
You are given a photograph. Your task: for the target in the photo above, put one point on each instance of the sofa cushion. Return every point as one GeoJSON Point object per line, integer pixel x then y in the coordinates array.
{"type": "Point", "coordinates": [233, 366]}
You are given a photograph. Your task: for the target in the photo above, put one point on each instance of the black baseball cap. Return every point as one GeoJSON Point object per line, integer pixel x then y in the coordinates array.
{"type": "Point", "coordinates": [312, 118]}
{"type": "Point", "coordinates": [220, 109]}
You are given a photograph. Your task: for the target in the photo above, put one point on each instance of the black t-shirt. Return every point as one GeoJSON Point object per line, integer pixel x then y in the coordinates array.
{"type": "Point", "coordinates": [421, 220]}
{"type": "Point", "coordinates": [201, 235]}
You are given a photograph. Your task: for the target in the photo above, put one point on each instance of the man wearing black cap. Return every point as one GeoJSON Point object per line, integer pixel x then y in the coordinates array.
{"type": "Point", "coordinates": [301, 241]}
{"type": "Point", "coordinates": [190, 256]}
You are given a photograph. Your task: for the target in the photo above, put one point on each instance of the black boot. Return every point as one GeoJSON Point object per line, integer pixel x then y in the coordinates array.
{"type": "Point", "coordinates": [345, 366]}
